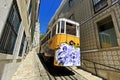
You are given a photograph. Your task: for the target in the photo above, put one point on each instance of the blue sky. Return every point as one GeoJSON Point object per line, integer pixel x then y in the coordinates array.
{"type": "Point", "coordinates": [47, 10]}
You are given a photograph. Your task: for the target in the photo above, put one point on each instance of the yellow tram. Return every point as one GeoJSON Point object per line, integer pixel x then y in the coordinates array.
{"type": "Point", "coordinates": [62, 43]}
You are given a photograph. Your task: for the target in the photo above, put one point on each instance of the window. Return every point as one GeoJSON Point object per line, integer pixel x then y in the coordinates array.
{"type": "Point", "coordinates": [54, 31]}
{"type": "Point", "coordinates": [46, 38]}
{"type": "Point", "coordinates": [12, 42]}
{"type": "Point", "coordinates": [72, 17]}
{"type": "Point", "coordinates": [22, 44]}
{"type": "Point", "coordinates": [30, 7]}
{"type": "Point", "coordinates": [114, 1]}
{"type": "Point", "coordinates": [96, 1]}
{"type": "Point", "coordinates": [58, 27]}
{"type": "Point", "coordinates": [70, 3]}
{"type": "Point", "coordinates": [70, 29]}
{"type": "Point", "coordinates": [106, 31]}
{"type": "Point", "coordinates": [99, 4]}
{"type": "Point", "coordinates": [10, 31]}
{"type": "Point", "coordinates": [15, 20]}
{"type": "Point", "coordinates": [62, 26]}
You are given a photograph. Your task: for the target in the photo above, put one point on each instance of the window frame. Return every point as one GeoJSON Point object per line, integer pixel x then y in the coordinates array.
{"type": "Point", "coordinates": [22, 44]}
{"type": "Point", "coordinates": [100, 32]}
{"type": "Point", "coordinates": [54, 30]}
{"type": "Point", "coordinates": [98, 3]}
{"type": "Point", "coordinates": [62, 26]}
{"type": "Point", "coordinates": [30, 7]}
{"type": "Point", "coordinates": [9, 30]}
{"type": "Point", "coordinates": [73, 25]}
{"type": "Point", "coordinates": [70, 3]}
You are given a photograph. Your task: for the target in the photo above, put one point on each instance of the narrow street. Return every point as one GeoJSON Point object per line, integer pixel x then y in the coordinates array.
{"type": "Point", "coordinates": [34, 68]}
{"type": "Point", "coordinates": [59, 39]}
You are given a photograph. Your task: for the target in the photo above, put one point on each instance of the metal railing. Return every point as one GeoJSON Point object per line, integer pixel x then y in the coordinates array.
{"type": "Point", "coordinates": [95, 67]}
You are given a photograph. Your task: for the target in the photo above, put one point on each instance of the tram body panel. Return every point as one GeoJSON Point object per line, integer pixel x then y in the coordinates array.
{"type": "Point", "coordinates": [58, 39]}
{"type": "Point", "coordinates": [53, 42]}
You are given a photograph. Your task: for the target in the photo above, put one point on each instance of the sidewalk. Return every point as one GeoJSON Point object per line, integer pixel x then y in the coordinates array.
{"type": "Point", "coordinates": [31, 68]}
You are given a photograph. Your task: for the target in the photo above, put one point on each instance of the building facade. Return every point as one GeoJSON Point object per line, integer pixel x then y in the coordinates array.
{"type": "Point", "coordinates": [16, 31]}
{"type": "Point", "coordinates": [36, 35]}
{"type": "Point", "coordinates": [99, 34]}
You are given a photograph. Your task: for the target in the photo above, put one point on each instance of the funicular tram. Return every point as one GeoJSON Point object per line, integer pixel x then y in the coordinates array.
{"type": "Point", "coordinates": [62, 43]}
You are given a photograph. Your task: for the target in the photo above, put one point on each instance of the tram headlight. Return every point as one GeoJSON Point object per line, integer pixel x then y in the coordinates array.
{"type": "Point", "coordinates": [72, 42]}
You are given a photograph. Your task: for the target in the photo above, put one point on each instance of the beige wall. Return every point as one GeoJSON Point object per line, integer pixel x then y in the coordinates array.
{"type": "Point", "coordinates": [90, 44]}
{"type": "Point", "coordinates": [109, 57]}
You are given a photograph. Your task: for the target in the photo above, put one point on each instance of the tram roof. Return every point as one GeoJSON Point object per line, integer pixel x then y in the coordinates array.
{"type": "Point", "coordinates": [68, 20]}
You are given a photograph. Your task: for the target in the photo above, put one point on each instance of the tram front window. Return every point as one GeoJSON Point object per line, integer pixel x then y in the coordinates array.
{"type": "Point", "coordinates": [70, 29]}
{"type": "Point", "coordinates": [62, 26]}
{"type": "Point", "coordinates": [58, 31]}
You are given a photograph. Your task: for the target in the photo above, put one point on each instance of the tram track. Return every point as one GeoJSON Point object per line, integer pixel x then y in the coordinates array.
{"type": "Point", "coordinates": [60, 73]}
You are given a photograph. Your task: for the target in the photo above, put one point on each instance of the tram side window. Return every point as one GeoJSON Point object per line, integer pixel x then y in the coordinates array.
{"type": "Point", "coordinates": [58, 27]}
{"type": "Point", "coordinates": [43, 41]}
{"type": "Point", "coordinates": [70, 29]}
{"type": "Point", "coordinates": [49, 35]}
{"type": "Point", "coordinates": [62, 26]}
{"type": "Point", "coordinates": [53, 31]}
{"type": "Point", "coordinates": [46, 38]}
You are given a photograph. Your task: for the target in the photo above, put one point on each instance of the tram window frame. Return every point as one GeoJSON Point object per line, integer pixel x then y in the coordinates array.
{"type": "Point", "coordinates": [62, 26]}
{"type": "Point", "coordinates": [49, 35]}
{"type": "Point", "coordinates": [58, 29]}
{"type": "Point", "coordinates": [46, 38]}
{"type": "Point", "coordinates": [53, 30]}
{"type": "Point", "coordinates": [77, 31]}
{"type": "Point", "coordinates": [70, 29]}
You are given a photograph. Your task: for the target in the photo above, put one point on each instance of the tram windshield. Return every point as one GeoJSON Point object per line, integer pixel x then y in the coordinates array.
{"type": "Point", "coordinates": [66, 26]}
{"type": "Point", "coordinates": [62, 26]}
{"type": "Point", "coordinates": [70, 29]}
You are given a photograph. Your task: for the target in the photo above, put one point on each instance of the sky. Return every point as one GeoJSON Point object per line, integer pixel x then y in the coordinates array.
{"type": "Point", "coordinates": [47, 10]}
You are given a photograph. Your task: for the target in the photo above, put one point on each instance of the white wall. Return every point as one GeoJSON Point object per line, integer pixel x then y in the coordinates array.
{"type": "Point", "coordinates": [4, 10]}
{"type": "Point", "coordinates": [36, 34]}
